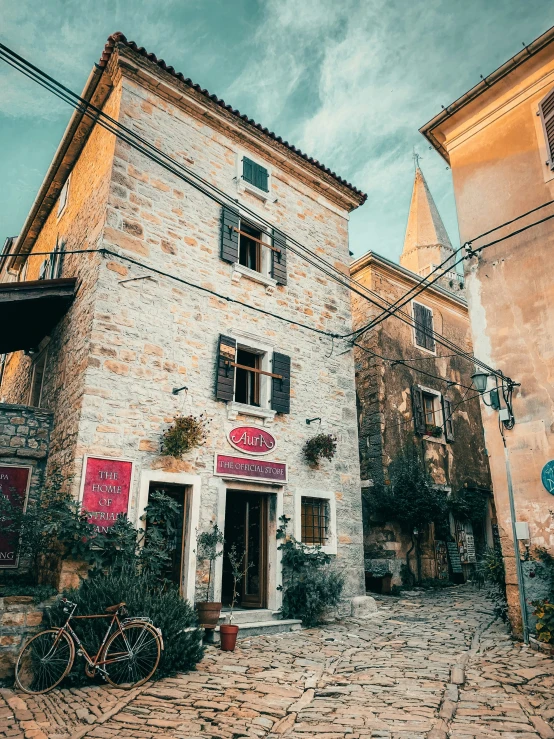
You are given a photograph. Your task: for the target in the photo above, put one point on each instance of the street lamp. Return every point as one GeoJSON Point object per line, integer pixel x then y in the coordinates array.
{"type": "Point", "coordinates": [479, 379]}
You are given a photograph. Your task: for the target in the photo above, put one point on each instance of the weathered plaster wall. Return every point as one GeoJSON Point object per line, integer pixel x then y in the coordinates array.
{"type": "Point", "coordinates": [384, 400]}
{"type": "Point", "coordinates": [498, 156]}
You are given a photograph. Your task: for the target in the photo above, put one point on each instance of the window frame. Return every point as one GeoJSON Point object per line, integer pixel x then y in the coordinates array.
{"type": "Point", "coordinates": [433, 352]}
{"type": "Point", "coordinates": [438, 413]}
{"type": "Point", "coordinates": [243, 185]}
{"type": "Point", "coordinates": [253, 344]}
{"type": "Point", "coordinates": [42, 356]}
{"type": "Point", "coordinates": [331, 546]}
{"type": "Point", "coordinates": [63, 198]}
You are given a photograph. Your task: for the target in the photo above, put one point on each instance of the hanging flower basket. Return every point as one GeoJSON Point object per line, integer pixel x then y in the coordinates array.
{"type": "Point", "coordinates": [184, 434]}
{"type": "Point", "coordinates": [322, 445]}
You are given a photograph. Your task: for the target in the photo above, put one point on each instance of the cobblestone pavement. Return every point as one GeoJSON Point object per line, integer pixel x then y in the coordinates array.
{"type": "Point", "coordinates": [427, 665]}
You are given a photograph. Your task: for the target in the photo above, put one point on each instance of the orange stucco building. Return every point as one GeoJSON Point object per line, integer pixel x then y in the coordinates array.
{"type": "Point", "coordinates": [498, 139]}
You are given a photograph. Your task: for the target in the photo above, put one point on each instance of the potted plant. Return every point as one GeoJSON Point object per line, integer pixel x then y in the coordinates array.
{"type": "Point", "coordinates": [228, 632]}
{"type": "Point", "coordinates": [435, 431]}
{"type": "Point", "coordinates": [322, 445]}
{"type": "Point", "coordinates": [185, 433]}
{"type": "Point", "coordinates": [208, 549]}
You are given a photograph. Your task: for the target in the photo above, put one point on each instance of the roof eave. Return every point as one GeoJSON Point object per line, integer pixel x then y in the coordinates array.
{"type": "Point", "coordinates": [485, 84]}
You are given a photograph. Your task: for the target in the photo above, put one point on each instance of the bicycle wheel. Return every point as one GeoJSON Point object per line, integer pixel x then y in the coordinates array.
{"type": "Point", "coordinates": [131, 656]}
{"type": "Point", "coordinates": [44, 661]}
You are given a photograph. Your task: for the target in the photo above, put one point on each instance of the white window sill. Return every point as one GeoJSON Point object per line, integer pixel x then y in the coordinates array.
{"type": "Point", "coordinates": [240, 271]}
{"type": "Point", "coordinates": [330, 548]}
{"type": "Point", "coordinates": [243, 186]}
{"type": "Point", "coordinates": [236, 409]}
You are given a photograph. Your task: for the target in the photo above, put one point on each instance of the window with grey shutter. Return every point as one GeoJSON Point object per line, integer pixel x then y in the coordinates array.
{"type": "Point", "coordinates": [417, 409]}
{"type": "Point", "coordinates": [255, 174]}
{"type": "Point", "coordinates": [423, 324]}
{"type": "Point", "coordinates": [225, 373]}
{"type": "Point", "coordinates": [229, 235]}
{"type": "Point", "coordinates": [279, 259]}
{"type": "Point", "coordinates": [447, 419]}
{"type": "Point", "coordinates": [546, 113]}
{"type": "Point", "coordinates": [280, 388]}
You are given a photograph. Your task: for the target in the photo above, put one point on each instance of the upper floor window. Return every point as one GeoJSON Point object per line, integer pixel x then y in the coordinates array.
{"type": "Point", "coordinates": [253, 248]}
{"type": "Point", "coordinates": [423, 327]}
{"type": "Point", "coordinates": [255, 174]}
{"type": "Point", "coordinates": [64, 196]}
{"type": "Point", "coordinates": [432, 414]}
{"type": "Point", "coordinates": [37, 379]}
{"type": "Point", "coordinates": [253, 376]}
{"type": "Point", "coordinates": [546, 113]}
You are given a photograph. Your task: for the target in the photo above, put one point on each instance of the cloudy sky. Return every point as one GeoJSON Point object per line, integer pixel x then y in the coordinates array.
{"type": "Point", "coordinates": [349, 82]}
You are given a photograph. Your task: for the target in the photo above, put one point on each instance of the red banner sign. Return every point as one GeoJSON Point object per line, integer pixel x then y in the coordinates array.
{"type": "Point", "coordinates": [106, 488]}
{"type": "Point", "coordinates": [252, 440]}
{"type": "Point", "coordinates": [14, 485]}
{"type": "Point", "coordinates": [250, 469]}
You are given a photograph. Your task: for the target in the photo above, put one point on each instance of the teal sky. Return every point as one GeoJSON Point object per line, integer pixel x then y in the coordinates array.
{"type": "Point", "coordinates": [349, 82]}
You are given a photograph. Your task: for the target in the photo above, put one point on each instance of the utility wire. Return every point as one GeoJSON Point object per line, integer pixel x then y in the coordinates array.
{"type": "Point", "coordinates": [131, 138]}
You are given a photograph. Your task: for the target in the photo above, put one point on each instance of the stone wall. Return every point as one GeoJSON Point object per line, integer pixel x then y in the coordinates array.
{"type": "Point", "coordinates": [385, 418]}
{"type": "Point", "coordinates": [20, 617]}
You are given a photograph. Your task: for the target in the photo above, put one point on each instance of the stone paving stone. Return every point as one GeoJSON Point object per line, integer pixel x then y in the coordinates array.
{"type": "Point", "coordinates": [389, 676]}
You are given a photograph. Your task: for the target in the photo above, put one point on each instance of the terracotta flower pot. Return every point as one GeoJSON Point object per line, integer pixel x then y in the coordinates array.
{"type": "Point", "coordinates": [208, 614]}
{"type": "Point", "coordinates": [228, 635]}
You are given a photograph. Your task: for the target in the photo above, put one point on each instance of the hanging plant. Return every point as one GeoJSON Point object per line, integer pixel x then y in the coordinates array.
{"type": "Point", "coordinates": [185, 433]}
{"type": "Point", "coordinates": [322, 445]}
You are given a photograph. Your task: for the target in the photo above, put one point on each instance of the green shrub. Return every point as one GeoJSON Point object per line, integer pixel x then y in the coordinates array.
{"type": "Point", "coordinates": [309, 587]}
{"type": "Point", "coordinates": [490, 573]}
{"type": "Point", "coordinates": [39, 593]}
{"type": "Point", "coordinates": [544, 609]}
{"type": "Point", "coordinates": [144, 596]}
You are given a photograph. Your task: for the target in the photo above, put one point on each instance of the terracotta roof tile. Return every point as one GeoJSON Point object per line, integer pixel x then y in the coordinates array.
{"type": "Point", "coordinates": [119, 38]}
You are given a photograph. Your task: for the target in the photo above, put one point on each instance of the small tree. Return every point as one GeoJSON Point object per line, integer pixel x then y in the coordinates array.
{"type": "Point", "coordinates": [411, 499]}
{"type": "Point", "coordinates": [208, 548]}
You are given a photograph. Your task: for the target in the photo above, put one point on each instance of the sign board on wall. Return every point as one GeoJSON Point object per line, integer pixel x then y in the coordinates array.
{"type": "Point", "coordinates": [250, 469]}
{"type": "Point", "coordinates": [252, 440]}
{"type": "Point", "coordinates": [14, 485]}
{"type": "Point", "coordinates": [106, 489]}
{"type": "Point", "coordinates": [547, 476]}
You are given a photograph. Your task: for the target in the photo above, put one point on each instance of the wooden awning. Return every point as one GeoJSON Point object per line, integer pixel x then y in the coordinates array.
{"type": "Point", "coordinates": [30, 310]}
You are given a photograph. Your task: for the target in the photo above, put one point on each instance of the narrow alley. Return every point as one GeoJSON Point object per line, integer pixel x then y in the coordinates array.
{"type": "Point", "coordinates": [428, 665]}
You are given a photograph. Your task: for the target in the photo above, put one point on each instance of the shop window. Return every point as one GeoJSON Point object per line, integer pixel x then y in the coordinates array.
{"type": "Point", "coordinates": [315, 515]}
{"type": "Point", "coordinates": [37, 379]}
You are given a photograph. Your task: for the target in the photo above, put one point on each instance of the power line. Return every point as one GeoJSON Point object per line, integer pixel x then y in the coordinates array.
{"type": "Point", "coordinates": [164, 160]}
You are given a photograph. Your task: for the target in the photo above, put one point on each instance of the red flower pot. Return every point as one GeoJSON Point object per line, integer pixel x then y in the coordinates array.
{"type": "Point", "coordinates": [228, 635]}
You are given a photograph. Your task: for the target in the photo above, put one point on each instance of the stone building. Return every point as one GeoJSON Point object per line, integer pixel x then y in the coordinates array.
{"type": "Point", "coordinates": [498, 140]}
{"type": "Point", "coordinates": [407, 392]}
{"type": "Point", "coordinates": [199, 304]}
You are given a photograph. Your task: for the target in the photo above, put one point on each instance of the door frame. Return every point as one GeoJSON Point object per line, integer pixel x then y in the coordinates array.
{"type": "Point", "coordinates": [274, 494]}
{"type": "Point", "coordinates": [192, 485]}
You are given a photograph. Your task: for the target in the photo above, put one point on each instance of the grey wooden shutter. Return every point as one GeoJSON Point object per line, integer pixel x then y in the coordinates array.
{"type": "Point", "coordinates": [417, 409]}
{"type": "Point", "coordinates": [546, 112]}
{"type": "Point", "coordinates": [260, 177]}
{"type": "Point", "coordinates": [280, 389]}
{"type": "Point", "coordinates": [279, 260]}
{"type": "Point", "coordinates": [225, 374]}
{"type": "Point", "coordinates": [423, 321]}
{"type": "Point", "coordinates": [229, 237]}
{"type": "Point", "coordinates": [255, 174]}
{"type": "Point", "coordinates": [248, 170]}
{"type": "Point", "coordinates": [447, 419]}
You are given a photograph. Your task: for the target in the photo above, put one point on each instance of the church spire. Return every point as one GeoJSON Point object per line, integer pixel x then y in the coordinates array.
{"type": "Point", "coordinates": [426, 244]}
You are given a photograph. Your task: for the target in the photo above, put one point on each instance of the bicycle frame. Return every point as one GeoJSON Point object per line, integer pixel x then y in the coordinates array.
{"type": "Point", "coordinates": [93, 662]}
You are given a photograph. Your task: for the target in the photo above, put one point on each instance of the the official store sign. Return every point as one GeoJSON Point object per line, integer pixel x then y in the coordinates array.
{"type": "Point", "coordinates": [105, 489]}
{"type": "Point", "coordinates": [252, 440]}
{"type": "Point", "coordinates": [250, 469]}
{"type": "Point", "coordinates": [14, 486]}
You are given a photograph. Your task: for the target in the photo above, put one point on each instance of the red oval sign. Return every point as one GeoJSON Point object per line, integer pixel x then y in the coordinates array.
{"type": "Point", "coordinates": [252, 440]}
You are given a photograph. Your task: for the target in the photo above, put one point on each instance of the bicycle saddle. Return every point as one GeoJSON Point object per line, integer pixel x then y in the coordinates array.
{"type": "Point", "coordinates": [114, 609]}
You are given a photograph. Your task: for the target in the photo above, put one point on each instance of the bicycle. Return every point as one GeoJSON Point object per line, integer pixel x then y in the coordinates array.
{"type": "Point", "coordinates": [126, 658]}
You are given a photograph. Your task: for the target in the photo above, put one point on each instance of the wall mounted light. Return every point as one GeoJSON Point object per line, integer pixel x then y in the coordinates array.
{"type": "Point", "coordinates": [177, 390]}
{"type": "Point", "coordinates": [480, 379]}
{"type": "Point", "coordinates": [312, 420]}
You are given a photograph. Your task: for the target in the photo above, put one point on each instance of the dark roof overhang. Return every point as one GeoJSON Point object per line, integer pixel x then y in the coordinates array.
{"type": "Point", "coordinates": [30, 310]}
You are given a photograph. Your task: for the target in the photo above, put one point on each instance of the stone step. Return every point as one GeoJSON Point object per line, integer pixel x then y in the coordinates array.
{"type": "Point", "coordinates": [257, 628]}
{"type": "Point", "coordinates": [245, 615]}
